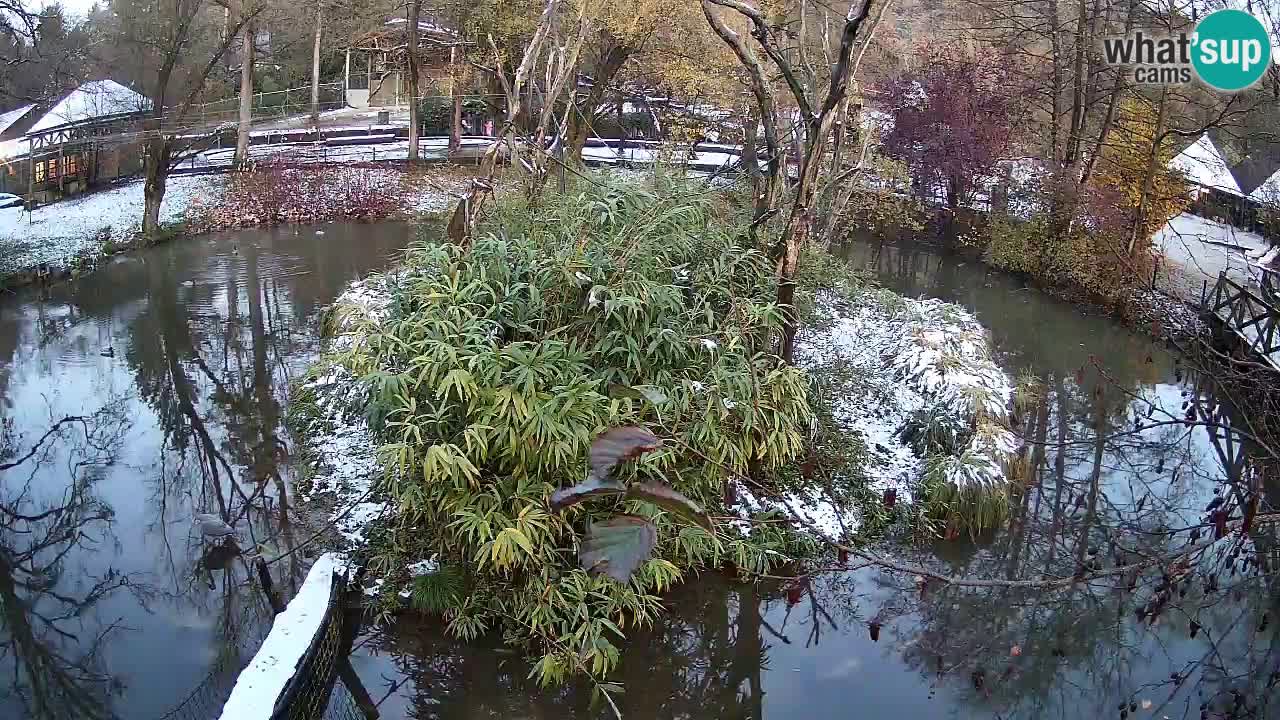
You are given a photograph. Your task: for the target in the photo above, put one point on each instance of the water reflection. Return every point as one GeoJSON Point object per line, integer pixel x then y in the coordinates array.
{"type": "Point", "coordinates": [1115, 477]}
{"type": "Point", "coordinates": [178, 360]}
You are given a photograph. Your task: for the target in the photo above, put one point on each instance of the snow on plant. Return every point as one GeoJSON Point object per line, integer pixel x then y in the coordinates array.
{"type": "Point", "coordinates": [328, 409]}
{"type": "Point", "coordinates": [925, 394]}
{"type": "Point", "coordinates": [491, 374]}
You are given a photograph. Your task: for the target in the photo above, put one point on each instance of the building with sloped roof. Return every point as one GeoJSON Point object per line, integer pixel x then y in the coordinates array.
{"type": "Point", "coordinates": [51, 150]}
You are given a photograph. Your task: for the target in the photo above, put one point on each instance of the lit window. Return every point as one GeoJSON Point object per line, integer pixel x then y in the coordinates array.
{"type": "Point", "coordinates": [40, 172]}
{"type": "Point", "coordinates": [73, 165]}
{"type": "Point", "coordinates": [53, 168]}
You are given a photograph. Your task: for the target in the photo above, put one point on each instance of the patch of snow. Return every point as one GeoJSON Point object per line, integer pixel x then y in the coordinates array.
{"type": "Point", "coordinates": [424, 567]}
{"type": "Point", "coordinates": [347, 468]}
{"type": "Point", "coordinates": [818, 513]}
{"type": "Point", "coordinates": [261, 683]}
{"type": "Point", "coordinates": [54, 235]}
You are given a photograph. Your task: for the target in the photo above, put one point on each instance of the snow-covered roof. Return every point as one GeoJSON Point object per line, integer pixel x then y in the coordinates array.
{"type": "Point", "coordinates": [16, 147]}
{"type": "Point", "coordinates": [1203, 164]}
{"type": "Point", "coordinates": [1268, 192]}
{"type": "Point", "coordinates": [13, 116]}
{"type": "Point", "coordinates": [92, 100]}
{"type": "Point", "coordinates": [424, 26]}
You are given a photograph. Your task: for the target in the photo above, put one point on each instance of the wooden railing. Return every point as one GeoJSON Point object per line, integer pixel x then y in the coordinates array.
{"type": "Point", "coordinates": [1252, 313]}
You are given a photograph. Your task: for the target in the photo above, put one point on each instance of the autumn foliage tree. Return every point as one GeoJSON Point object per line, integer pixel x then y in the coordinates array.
{"type": "Point", "coordinates": [952, 124]}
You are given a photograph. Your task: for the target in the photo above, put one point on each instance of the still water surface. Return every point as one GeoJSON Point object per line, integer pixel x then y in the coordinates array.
{"type": "Point", "coordinates": [174, 363]}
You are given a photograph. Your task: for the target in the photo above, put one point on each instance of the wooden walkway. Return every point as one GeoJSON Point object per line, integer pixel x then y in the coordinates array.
{"type": "Point", "coordinates": [1252, 313]}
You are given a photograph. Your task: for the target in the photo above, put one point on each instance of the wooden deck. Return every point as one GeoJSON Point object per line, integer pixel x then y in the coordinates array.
{"type": "Point", "coordinates": [1252, 313]}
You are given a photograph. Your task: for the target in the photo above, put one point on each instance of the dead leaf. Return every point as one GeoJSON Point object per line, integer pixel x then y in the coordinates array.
{"type": "Point", "coordinates": [618, 445]}
{"type": "Point", "coordinates": [668, 498]}
{"type": "Point", "coordinates": [592, 487]}
{"type": "Point", "coordinates": [617, 546]}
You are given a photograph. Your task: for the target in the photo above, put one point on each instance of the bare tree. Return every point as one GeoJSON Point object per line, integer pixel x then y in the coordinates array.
{"type": "Point", "coordinates": [173, 47]}
{"type": "Point", "coordinates": [816, 117]}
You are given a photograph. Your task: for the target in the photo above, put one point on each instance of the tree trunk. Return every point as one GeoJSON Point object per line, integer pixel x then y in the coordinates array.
{"type": "Point", "coordinates": [411, 56]}
{"type": "Point", "coordinates": [1149, 173]}
{"type": "Point", "coordinates": [1078, 98]}
{"type": "Point", "coordinates": [800, 225]}
{"type": "Point", "coordinates": [750, 158]}
{"type": "Point", "coordinates": [455, 124]}
{"type": "Point", "coordinates": [580, 118]}
{"type": "Point", "coordinates": [246, 96]}
{"type": "Point", "coordinates": [315, 66]}
{"type": "Point", "coordinates": [156, 168]}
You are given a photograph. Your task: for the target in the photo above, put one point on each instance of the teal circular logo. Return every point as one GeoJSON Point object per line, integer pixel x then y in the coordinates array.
{"type": "Point", "coordinates": [1231, 50]}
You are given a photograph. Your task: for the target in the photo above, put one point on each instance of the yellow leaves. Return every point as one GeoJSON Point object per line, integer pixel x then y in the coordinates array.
{"type": "Point", "coordinates": [1125, 161]}
{"type": "Point", "coordinates": [441, 463]}
{"type": "Point", "coordinates": [661, 574]}
{"type": "Point", "coordinates": [502, 550]}
{"type": "Point", "coordinates": [459, 380]}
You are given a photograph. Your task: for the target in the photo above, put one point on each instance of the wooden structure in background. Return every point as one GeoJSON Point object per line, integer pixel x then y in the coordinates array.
{"type": "Point", "coordinates": [376, 79]}
{"type": "Point", "coordinates": [1253, 314]}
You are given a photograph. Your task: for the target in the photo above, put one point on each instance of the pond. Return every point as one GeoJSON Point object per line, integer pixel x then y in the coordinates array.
{"type": "Point", "coordinates": [164, 376]}
{"type": "Point", "coordinates": [130, 400]}
{"type": "Point", "coordinates": [865, 643]}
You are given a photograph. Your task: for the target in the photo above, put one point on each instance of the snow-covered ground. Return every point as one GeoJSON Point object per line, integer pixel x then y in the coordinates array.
{"type": "Point", "coordinates": [379, 145]}
{"type": "Point", "coordinates": [56, 235]}
{"type": "Point", "coordinates": [346, 469]}
{"type": "Point", "coordinates": [61, 235]}
{"type": "Point", "coordinates": [1197, 249]}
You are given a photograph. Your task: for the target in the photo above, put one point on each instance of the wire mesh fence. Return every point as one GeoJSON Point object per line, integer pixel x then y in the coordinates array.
{"type": "Point", "coordinates": [306, 697]}
{"type": "Point", "coordinates": [205, 700]}
{"type": "Point", "coordinates": [268, 105]}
